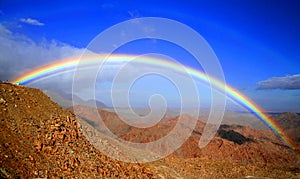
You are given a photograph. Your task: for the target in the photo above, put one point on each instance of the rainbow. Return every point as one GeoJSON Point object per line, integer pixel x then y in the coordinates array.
{"type": "Point", "coordinates": [70, 65]}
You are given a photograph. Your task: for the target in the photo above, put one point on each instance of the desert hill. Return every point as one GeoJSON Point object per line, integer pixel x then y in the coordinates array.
{"type": "Point", "coordinates": [232, 142]}
{"type": "Point", "coordinates": [290, 123]}
{"type": "Point", "coordinates": [40, 139]}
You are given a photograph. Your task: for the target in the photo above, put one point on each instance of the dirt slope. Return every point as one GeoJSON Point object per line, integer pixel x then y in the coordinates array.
{"type": "Point", "coordinates": [235, 152]}
{"type": "Point", "coordinates": [38, 138]}
{"type": "Point", "coordinates": [232, 142]}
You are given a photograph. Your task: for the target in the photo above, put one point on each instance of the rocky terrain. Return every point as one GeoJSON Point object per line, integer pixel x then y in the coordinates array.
{"type": "Point", "coordinates": [40, 139]}
{"type": "Point", "coordinates": [233, 143]}
{"type": "Point", "coordinates": [290, 123]}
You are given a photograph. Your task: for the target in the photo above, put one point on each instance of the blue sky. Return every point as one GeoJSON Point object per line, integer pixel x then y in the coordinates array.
{"type": "Point", "coordinates": [257, 42]}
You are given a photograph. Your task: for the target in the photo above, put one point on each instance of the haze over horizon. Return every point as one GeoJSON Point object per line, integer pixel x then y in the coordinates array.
{"type": "Point", "coordinates": [256, 42]}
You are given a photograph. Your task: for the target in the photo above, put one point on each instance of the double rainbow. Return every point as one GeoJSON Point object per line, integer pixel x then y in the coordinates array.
{"type": "Point", "coordinates": [70, 65]}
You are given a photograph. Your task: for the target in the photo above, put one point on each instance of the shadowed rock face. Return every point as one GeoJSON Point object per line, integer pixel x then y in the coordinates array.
{"type": "Point", "coordinates": [233, 136]}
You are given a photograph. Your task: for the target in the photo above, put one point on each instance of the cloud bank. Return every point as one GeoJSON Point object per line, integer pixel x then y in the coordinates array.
{"type": "Point", "coordinates": [20, 54]}
{"type": "Point", "coordinates": [285, 83]}
{"type": "Point", "coordinates": [31, 21]}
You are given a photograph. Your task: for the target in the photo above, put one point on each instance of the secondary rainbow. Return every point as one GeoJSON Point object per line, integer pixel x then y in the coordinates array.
{"type": "Point", "coordinates": [70, 65]}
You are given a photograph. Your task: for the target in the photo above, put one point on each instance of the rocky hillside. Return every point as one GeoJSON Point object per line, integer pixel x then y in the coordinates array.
{"type": "Point", "coordinates": [233, 143]}
{"type": "Point", "coordinates": [39, 139]}
{"type": "Point", "coordinates": [290, 123]}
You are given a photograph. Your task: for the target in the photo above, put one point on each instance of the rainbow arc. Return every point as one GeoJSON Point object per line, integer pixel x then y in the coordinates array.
{"type": "Point", "coordinates": [70, 65]}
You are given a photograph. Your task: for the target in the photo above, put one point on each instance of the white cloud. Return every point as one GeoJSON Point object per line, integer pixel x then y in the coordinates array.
{"type": "Point", "coordinates": [285, 83]}
{"type": "Point", "coordinates": [31, 21]}
{"type": "Point", "coordinates": [20, 54]}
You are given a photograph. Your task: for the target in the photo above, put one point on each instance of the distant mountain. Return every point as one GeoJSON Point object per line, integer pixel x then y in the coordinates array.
{"type": "Point", "coordinates": [65, 100]}
{"type": "Point", "coordinates": [40, 139]}
{"type": "Point", "coordinates": [231, 143]}
{"type": "Point", "coordinates": [244, 119]}
{"type": "Point", "coordinates": [92, 102]}
{"type": "Point", "coordinates": [290, 123]}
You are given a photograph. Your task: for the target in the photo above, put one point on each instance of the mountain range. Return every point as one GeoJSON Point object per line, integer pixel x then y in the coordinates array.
{"type": "Point", "coordinates": [41, 139]}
